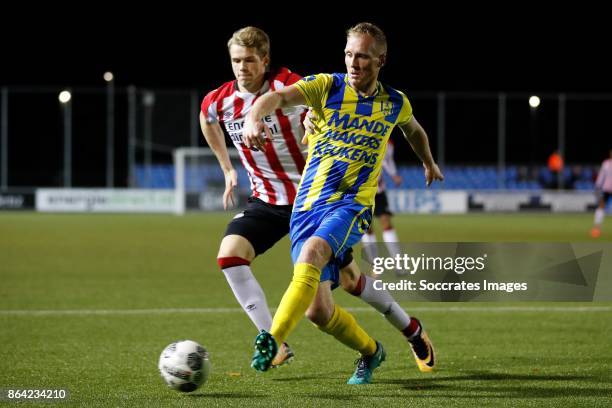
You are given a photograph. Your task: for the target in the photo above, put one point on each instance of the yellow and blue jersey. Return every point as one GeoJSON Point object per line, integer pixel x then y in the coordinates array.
{"type": "Point", "coordinates": [345, 157]}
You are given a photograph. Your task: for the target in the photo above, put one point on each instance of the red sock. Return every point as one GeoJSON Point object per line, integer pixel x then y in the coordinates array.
{"type": "Point", "coordinates": [413, 328]}
{"type": "Point", "coordinates": [230, 261]}
{"type": "Point", "coordinates": [360, 285]}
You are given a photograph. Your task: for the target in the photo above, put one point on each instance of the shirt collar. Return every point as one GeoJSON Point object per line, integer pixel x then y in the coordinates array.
{"type": "Point", "coordinates": [376, 91]}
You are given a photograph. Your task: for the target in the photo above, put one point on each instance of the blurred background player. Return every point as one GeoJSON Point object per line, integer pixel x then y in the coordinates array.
{"type": "Point", "coordinates": [336, 194]}
{"type": "Point", "coordinates": [555, 165]}
{"type": "Point", "coordinates": [603, 190]}
{"type": "Point", "coordinates": [274, 176]}
{"type": "Point", "coordinates": [382, 211]}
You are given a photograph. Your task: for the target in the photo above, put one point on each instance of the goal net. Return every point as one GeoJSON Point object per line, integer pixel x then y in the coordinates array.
{"type": "Point", "coordinates": [199, 182]}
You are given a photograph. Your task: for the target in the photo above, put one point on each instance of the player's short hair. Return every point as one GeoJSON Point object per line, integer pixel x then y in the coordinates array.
{"type": "Point", "coordinates": [372, 30]}
{"type": "Point", "coordinates": [251, 37]}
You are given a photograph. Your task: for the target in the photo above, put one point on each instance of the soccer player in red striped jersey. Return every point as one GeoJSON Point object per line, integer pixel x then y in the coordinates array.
{"type": "Point", "coordinates": [274, 175]}
{"type": "Point", "coordinates": [603, 189]}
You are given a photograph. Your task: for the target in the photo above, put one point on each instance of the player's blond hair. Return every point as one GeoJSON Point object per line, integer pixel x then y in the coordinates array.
{"type": "Point", "coordinates": [251, 37]}
{"type": "Point", "coordinates": [372, 30]}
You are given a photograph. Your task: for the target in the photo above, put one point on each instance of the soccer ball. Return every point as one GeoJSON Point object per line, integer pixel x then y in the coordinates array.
{"type": "Point", "coordinates": [184, 365]}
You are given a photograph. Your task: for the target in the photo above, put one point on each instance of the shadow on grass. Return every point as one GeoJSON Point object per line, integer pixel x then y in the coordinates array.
{"type": "Point", "coordinates": [490, 376]}
{"type": "Point", "coordinates": [335, 396]}
{"type": "Point", "coordinates": [333, 376]}
{"type": "Point", "coordinates": [236, 395]}
{"type": "Point", "coordinates": [503, 386]}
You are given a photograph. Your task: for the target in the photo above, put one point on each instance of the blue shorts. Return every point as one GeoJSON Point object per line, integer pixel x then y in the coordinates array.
{"type": "Point", "coordinates": [341, 225]}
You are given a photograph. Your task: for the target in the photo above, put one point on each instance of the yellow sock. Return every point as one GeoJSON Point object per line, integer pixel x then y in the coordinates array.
{"type": "Point", "coordinates": [345, 329]}
{"type": "Point", "coordinates": [295, 301]}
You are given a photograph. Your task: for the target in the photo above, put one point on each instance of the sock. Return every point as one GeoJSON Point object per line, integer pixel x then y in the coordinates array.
{"type": "Point", "coordinates": [247, 290]}
{"type": "Point", "coordinates": [382, 301]}
{"type": "Point", "coordinates": [369, 246]}
{"type": "Point", "coordinates": [391, 241]}
{"type": "Point", "coordinates": [295, 301]}
{"type": "Point", "coordinates": [345, 329]}
{"type": "Point", "coordinates": [599, 216]}
{"type": "Point", "coordinates": [413, 329]}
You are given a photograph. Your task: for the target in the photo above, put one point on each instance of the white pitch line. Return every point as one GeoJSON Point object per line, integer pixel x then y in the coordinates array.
{"type": "Point", "coordinates": [462, 309]}
{"type": "Point", "coordinates": [80, 312]}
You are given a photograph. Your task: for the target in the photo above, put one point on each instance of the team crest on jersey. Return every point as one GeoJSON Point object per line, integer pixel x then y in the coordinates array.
{"type": "Point", "coordinates": [309, 78]}
{"type": "Point", "coordinates": [386, 107]}
{"type": "Point", "coordinates": [228, 115]}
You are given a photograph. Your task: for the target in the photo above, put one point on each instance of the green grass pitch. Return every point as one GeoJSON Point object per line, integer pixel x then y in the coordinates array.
{"type": "Point", "coordinates": [88, 302]}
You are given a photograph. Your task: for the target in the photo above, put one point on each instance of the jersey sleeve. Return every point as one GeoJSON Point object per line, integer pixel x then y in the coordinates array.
{"type": "Point", "coordinates": [283, 76]}
{"type": "Point", "coordinates": [314, 88]}
{"type": "Point", "coordinates": [405, 114]}
{"type": "Point", "coordinates": [209, 107]}
{"type": "Point", "coordinates": [292, 79]}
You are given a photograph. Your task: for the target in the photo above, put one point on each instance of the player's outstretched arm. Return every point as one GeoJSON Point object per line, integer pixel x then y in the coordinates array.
{"type": "Point", "coordinates": [216, 140]}
{"type": "Point", "coordinates": [416, 136]}
{"type": "Point", "coordinates": [265, 105]}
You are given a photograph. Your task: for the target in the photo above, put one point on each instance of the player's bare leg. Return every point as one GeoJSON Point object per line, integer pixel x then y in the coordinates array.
{"type": "Point", "coordinates": [236, 245]}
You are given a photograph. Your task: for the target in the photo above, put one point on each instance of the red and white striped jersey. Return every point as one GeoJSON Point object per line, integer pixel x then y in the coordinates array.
{"type": "Point", "coordinates": [275, 174]}
{"type": "Point", "coordinates": [604, 178]}
{"type": "Point", "coordinates": [388, 166]}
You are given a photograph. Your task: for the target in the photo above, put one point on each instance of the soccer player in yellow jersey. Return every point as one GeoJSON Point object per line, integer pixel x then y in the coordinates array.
{"type": "Point", "coordinates": [333, 207]}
